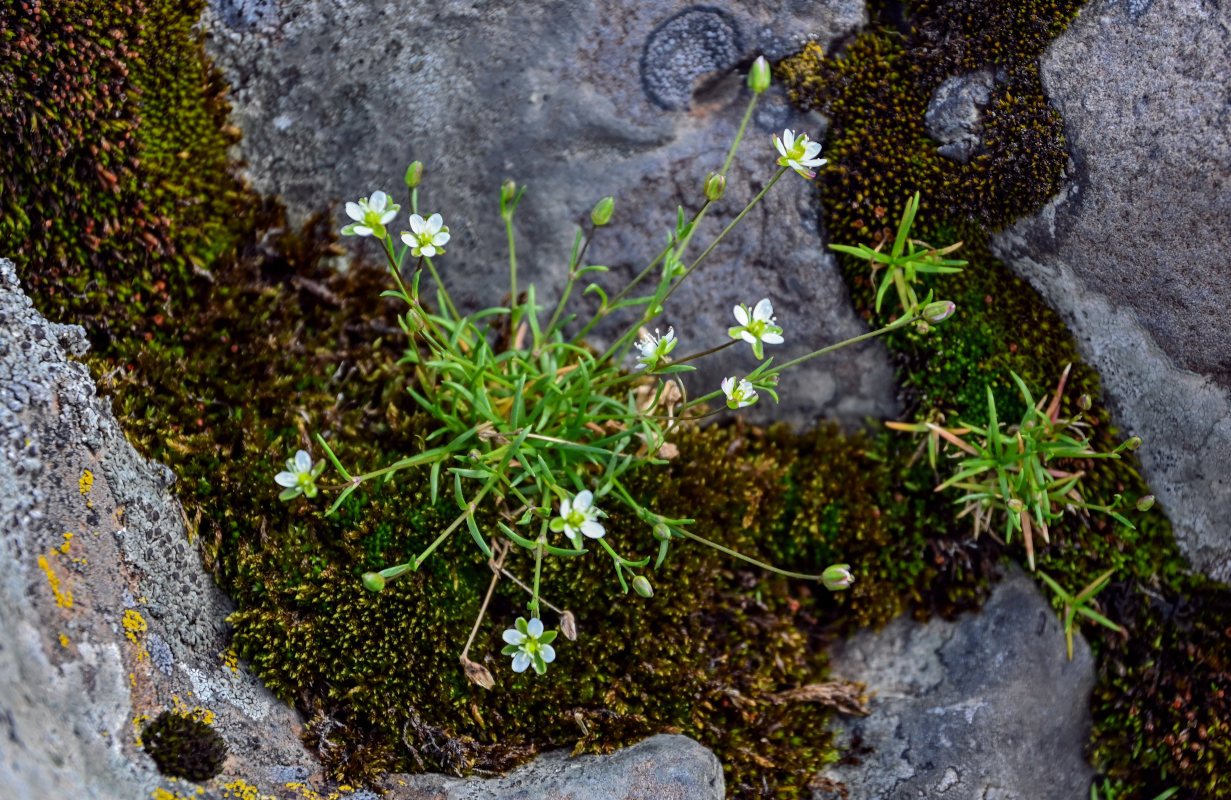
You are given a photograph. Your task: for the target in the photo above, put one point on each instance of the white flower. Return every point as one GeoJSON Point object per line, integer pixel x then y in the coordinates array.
{"type": "Point", "coordinates": [578, 516]}
{"type": "Point", "coordinates": [426, 237]}
{"type": "Point", "coordinates": [756, 327]}
{"type": "Point", "coordinates": [799, 153]}
{"type": "Point", "coordinates": [738, 394]}
{"type": "Point", "coordinates": [300, 476]}
{"type": "Point", "coordinates": [655, 348]}
{"type": "Point", "coordinates": [529, 644]}
{"type": "Point", "coordinates": [370, 215]}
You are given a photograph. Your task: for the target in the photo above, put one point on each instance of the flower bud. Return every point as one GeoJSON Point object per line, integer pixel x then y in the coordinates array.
{"type": "Point", "coordinates": [1084, 402]}
{"type": "Point", "coordinates": [837, 577]}
{"type": "Point", "coordinates": [414, 174]}
{"type": "Point", "coordinates": [1145, 503]}
{"type": "Point", "coordinates": [758, 76]}
{"type": "Point", "coordinates": [601, 214]}
{"type": "Point", "coordinates": [662, 532]}
{"type": "Point", "coordinates": [373, 581]}
{"type": "Point", "coordinates": [1133, 443]}
{"type": "Point", "coordinates": [1016, 505]}
{"type": "Point", "coordinates": [642, 586]}
{"type": "Point", "coordinates": [508, 192]}
{"type": "Point", "coordinates": [715, 186]}
{"type": "Point", "coordinates": [939, 311]}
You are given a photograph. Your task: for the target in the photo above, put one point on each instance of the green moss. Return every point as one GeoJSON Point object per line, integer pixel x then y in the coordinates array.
{"type": "Point", "coordinates": [184, 747]}
{"type": "Point", "coordinates": [1159, 707]}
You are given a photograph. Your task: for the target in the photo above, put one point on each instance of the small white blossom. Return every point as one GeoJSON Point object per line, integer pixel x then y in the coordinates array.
{"type": "Point", "coordinates": [756, 327]}
{"type": "Point", "coordinates": [529, 644]}
{"type": "Point", "coordinates": [799, 153]}
{"type": "Point", "coordinates": [300, 476]}
{"type": "Point", "coordinates": [371, 214]}
{"type": "Point", "coordinates": [739, 394]}
{"type": "Point", "coordinates": [426, 237]}
{"type": "Point", "coordinates": [654, 348]}
{"type": "Point", "coordinates": [579, 516]}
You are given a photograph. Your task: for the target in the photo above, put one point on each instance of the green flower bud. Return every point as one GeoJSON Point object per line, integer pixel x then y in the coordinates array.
{"type": "Point", "coordinates": [939, 311]}
{"type": "Point", "coordinates": [1145, 503]}
{"type": "Point", "coordinates": [373, 581]}
{"type": "Point", "coordinates": [508, 192]}
{"type": "Point", "coordinates": [601, 214]}
{"type": "Point", "coordinates": [758, 76]}
{"type": "Point", "coordinates": [1084, 402]}
{"type": "Point", "coordinates": [715, 186]}
{"type": "Point", "coordinates": [1016, 505]}
{"type": "Point", "coordinates": [837, 577]}
{"type": "Point", "coordinates": [662, 532]}
{"type": "Point", "coordinates": [642, 586]}
{"type": "Point", "coordinates": [414, 174]}
{"type": "Point", "coordinates": [1133, 443]}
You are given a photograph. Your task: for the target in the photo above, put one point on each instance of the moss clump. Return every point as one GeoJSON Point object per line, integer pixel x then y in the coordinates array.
{"type": "Point", "coordinates": [113, 172]}
{"type": "Point", "coordinates": [184, 747]}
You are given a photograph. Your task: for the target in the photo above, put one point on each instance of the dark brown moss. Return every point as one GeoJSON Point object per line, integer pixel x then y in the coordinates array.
{"type": "Point", "coordinates": [184, 747]}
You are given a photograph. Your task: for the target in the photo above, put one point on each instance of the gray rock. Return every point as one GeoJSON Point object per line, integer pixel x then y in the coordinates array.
{"type": "Point", "coordinates": [985, 707]}
{"type": "Point", "coordinates": [1132, 253]}
{"type": "Point", "coordinates": [955, 113]}
{"type": "Point", "coordinates": [578, 100]}
{"type": "Point", "coordinates": [662, 767]}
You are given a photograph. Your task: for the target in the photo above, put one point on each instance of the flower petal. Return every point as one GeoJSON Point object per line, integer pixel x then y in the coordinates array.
{"type": "Point", "coordinates": [287, 479]}
{"type": "Point", "coordinates": [583, 500]}
{"type": "Point", "coordinates": [427, 250]}
{"type": "Point", "coordinates": [416, 223]}
{"type": "Point", "coordinates": [354, 211]}
{"type": "Point", "coordinates": [764, 310]}
{"type": "Point", "coordinates": [514, 636]}
{"type": "Point", "coordinates": [534, 628]}
{"type": "Point", "coordinates": [520, 662]}
{"type": "Point", "coordinates": [771, 338]}
{"type": "Point", "coordinates": [749, 338]}
{"type": "Point", "coordinates": [593, 529]}
{"type": "Point", "coordinates": [440, 239]}
{"type": "Point", "coordinates": [388, 216]}
{"type": "Point", "coordinates": [363, 230]}
{"type": "Point", "coordinates": [378, 201]}
{"type": "Point", "coordinates": [548, 653]}
{"type": "Point", "coordinates": [303, 461]}
{"type": "Point", "coordinates": [741, 314]}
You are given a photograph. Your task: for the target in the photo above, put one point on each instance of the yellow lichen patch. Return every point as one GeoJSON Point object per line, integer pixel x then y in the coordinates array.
{"type": "Point", "coordinates": [230, 661]}
{"type": "Point", "coordinates": [243, 790]}
{"type": "Point", "coordinates": [198, 713]}
{"type": "Point", "coordinates": [68, 539]}
{"type": "Point", "coordinates": [86, 481]}
{"type": "Point", "coordinates": [63, 640]}
{"type": "Point", "coordinates": [139, 721]}
{"type": "Point", "coordinates": [133, 624]}
{"type": "Point", "coordinates": [64, 599]}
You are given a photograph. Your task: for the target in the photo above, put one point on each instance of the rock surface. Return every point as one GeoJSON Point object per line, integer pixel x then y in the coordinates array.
{"type": "Point", "coordinates": [955, 113]}
{"type": "Point", "coordinates": [660, 768]}
{"type": "Point", "coordinates": [985, 707]}
{"type": "Point", "coordinates": [109, 616]}
{"type": "Point", "coordinates": [578, 100]}
{"type": "Point", "coordinates": [1132, 253]}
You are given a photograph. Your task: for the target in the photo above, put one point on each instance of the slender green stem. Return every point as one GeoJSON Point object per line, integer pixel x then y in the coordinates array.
{"type": "Point", "coordinates": [730, 226]}
{"type": "Point", "coordinates": [704, 353]}
{"type": "Point", "coordinates": [869, 335]}
{"type": "Point", "coordinates": [508, 227]}
{"type": "Point", "coordinates": [419, 559]}
{"type": "Point", "coordinates": [743, 125]}
{"type": "Point", "coordinates": [538, 571]}
{"type": "Point", "coordinates": [568, 287]}
{"type": "Point", "coordinates": [742, 557]}
{"type": "Point", "coordinates": [497, 565]}
{"type": "Point", "coordinates": [645, 272]}
{"type": "Point", "coordinates": [443, 291]}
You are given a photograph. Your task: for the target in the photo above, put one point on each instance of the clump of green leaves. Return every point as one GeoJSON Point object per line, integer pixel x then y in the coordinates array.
{"type": "Point", "coordinates": [1079, 604]}
{"type": "Point", "coordinates": [1026, 470]}
{"type": "Point", "coordinates": [906, 260]}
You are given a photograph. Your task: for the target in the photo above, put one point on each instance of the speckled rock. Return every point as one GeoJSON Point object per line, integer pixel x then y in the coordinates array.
{"type": "Point", "coordinates": [955, 113]}
{"type": "Point", "coordinates": [985, 707]}
{"type": "Point", "coordinates": [577, 100]}
{"type": "Point", "coordinates": [1133, 252]}
{"type": "Point", "coordinates": [660, 768]}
